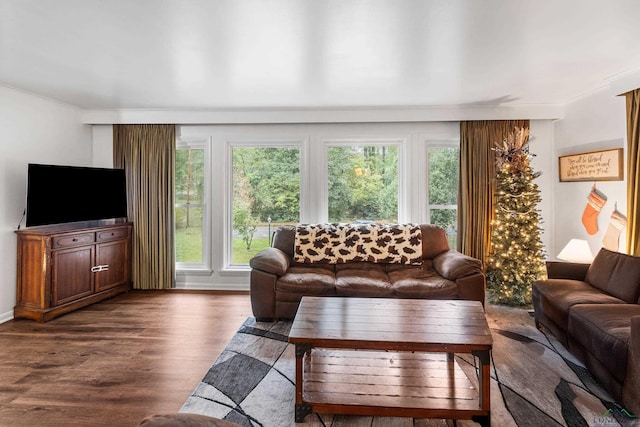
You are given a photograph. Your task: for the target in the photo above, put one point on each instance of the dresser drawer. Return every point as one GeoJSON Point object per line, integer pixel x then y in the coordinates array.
{"type": "Point", "coordinates": [113, 234]}
{"type": "Point", "coordinates": [70, 240]}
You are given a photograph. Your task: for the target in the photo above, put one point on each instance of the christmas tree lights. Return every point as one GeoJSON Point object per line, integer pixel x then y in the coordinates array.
{"type": "Point", "coordinates": [516, 258]}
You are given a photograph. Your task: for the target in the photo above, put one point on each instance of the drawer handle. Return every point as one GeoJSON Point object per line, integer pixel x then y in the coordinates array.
{"type": "Point", "coordinates": [99, 268]}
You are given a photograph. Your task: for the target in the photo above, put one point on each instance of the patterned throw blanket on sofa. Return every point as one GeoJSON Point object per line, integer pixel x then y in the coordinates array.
{"type": "Point", "coordinates": [341, 243]}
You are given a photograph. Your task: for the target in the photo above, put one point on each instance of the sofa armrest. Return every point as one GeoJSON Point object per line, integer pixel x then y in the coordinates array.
{"type": "Point", "coordinates": [453, 265]}
{"type": "Point", "coordinates": [263, 294]}
{"type": "Point", "coordinates": [271, 260]}
{"type": "Point", "coordinates": [472, 288]}
{"type": "Point", "coordinates": [567, 270]}
{"type": "Point", "coordinates": [631, 387]}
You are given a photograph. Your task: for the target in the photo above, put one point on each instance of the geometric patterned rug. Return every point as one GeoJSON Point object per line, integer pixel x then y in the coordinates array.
{"type": "Point", "coordinates": [534, 382]}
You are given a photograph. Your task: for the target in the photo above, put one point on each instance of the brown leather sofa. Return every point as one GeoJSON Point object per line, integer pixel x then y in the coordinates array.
{"type": "Point", "coordinates": [278, 282]}
{"type": "Point", "coordinates": [594, 311]}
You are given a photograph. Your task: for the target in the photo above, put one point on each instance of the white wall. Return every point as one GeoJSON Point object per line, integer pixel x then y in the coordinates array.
{"type": "Point", "coordinates": [34, 130]}
{"type": "Point", "coordinates": [541, 145]}
{"type": "Point", "coordinates": [102, 143]}
{"type": "Point", "coordinates": [591, 123]}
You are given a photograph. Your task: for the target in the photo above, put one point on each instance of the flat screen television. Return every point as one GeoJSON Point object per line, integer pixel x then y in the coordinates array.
{"type": "Point", "coordinates": [63, 194]}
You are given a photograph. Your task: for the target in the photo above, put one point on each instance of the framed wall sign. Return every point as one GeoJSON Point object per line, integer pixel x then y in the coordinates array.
{"type": "Point", "coordinates": [606, 165]}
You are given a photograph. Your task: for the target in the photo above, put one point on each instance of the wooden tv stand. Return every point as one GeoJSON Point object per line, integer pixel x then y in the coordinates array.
{"type": "Point", "coordinates": [65, 267]}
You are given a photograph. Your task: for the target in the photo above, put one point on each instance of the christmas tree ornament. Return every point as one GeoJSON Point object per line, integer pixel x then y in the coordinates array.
{"type": "Point", "coordinates": [595, 202]}
{"type": "Point", "coordinates": [516, 257]}
{"type": "Point", "coordinates": [617, 224]}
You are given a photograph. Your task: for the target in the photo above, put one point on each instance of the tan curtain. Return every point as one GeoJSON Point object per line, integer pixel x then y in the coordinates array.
{"type": "Point", "coordinates": [477, 182]}
{"type": "Point", "coordinates": [633, 172]}
{"type": "Point", "coordinates": [147, 152]}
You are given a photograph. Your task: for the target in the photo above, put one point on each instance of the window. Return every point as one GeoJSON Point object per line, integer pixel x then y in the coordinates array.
{"type": "Point", "coordinates": [229, 204]}
{"type": "Point", "coordinates": [265, 195]}
{"type": "Point", "coordinates": [191, 236]}
{"type": "Point", "coordinates": [362, 182]}
{"type": "Point", "coordinates": [443, 169]}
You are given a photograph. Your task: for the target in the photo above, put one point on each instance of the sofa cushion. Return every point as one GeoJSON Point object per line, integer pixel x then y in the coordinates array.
{"type": "Point", "coordinates": [603, 330]}
{"type": "Point", "coordinates": [422, 283]}
{"type": "Point", "coordinates": [363, 283]}
{"type": "Point", "coordinates": [434, 240]}
{"type": "Point", "coordinates": [557, 296]}
{"type": "Point", "coordinates": [307, 280]}
{"type": "Point", "coordinates": [426, 263]}
{"type": "Point", "coordinates": [616, 274]}
{"type": "Point", "coordinates": [360, 266]}
{"type": "Point", "coordinates": [329, 267]}
{"type": "Point", "coordinates": [284, 239]}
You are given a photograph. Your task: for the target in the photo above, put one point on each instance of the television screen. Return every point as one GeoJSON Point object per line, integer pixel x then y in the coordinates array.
{"type": "Point", "coordinates": [62, 194]}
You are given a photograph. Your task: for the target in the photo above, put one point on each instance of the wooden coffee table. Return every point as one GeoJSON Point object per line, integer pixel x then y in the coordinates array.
{"type": "Point", "coordinates": [390, 357]}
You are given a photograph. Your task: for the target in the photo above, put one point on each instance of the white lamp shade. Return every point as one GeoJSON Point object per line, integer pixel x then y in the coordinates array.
{"type": "Point", "coordinates": [576, 250]}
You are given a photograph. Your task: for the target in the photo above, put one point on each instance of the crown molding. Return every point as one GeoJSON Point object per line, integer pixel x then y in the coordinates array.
{"type": "Point", "coordinates": [326, 115]}
{"type": "Point", "coordinates": [624, 82]}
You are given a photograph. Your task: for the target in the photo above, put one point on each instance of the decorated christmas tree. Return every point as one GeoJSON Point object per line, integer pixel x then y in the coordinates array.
{"type": "Point", "coordinates": [517, 255]}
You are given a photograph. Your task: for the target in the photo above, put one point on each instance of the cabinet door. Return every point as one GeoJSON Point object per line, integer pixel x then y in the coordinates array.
{"type": "Point", "coordinates": [111, 260]}
{"type": "Point", "coordinates": [71, 274]}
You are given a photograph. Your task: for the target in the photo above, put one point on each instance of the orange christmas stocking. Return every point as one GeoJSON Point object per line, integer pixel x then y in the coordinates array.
{"type": "Point", "coordinates": [611, 238]}
{"type": "Point", "coordinates": [595, 202]}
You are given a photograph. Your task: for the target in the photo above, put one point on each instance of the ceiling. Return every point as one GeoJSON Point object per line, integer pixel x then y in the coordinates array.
{"type": "Point", "coordinates": [253, 54]}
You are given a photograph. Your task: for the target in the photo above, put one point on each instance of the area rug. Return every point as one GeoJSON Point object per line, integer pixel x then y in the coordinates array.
{"type": "Point", "coordinates": [535, 382]}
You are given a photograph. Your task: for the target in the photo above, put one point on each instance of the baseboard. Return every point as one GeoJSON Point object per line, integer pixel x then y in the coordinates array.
{"type": "Point", "coordinates": [212, 287]}
{"type": "Point", "coordinates": [5, 317]}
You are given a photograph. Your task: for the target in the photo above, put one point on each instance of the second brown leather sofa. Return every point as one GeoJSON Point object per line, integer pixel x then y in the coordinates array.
{"type": "Point", "coordinates": [594, 311]}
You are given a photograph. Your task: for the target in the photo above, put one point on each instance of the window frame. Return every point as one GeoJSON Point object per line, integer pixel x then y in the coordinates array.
{"type": "Point", "coordinates": [413, 196]}
{"type": "Point", "coordinates": [203, 267]}
{"type": "Point", "coordinates": [399, 142]}
{"type": "Point", "coordinates": [300, 143]}
{"type": "Point", "coordinates": [452, 143]}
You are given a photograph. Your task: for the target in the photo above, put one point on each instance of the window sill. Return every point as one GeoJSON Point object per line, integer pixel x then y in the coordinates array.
{"type": "Point", "coordinates": [236, 270]}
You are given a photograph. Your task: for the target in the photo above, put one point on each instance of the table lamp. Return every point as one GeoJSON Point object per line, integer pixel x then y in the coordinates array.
{"type": "Point", "coordinates": [576, 250]}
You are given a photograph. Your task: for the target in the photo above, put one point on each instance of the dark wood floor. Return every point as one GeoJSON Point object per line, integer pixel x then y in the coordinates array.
{"type": "Point", "coordinates": [115, 362]}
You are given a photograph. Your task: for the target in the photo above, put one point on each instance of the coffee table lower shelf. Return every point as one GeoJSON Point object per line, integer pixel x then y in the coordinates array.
{"type": "Point", "coordinates": [381, 383]}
